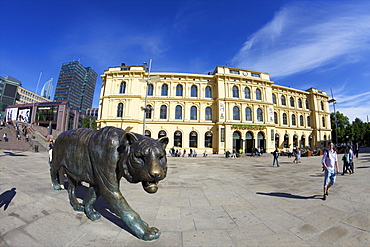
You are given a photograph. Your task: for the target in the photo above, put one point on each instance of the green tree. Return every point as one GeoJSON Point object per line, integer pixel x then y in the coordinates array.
{"type": "Point", "coordinates": [367, 134]}
{"type": "Point", "coordinates": [359, 130]}
{"type": "Point", "coordinates": [339, 125]}
{"type": "Point", "coordinates": [94, 124]}
{"type": "Point", "coordinates": [85, 122]}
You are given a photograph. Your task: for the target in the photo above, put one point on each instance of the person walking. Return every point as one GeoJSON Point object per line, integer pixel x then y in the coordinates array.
{"type": "Point", "coordinates": [330, 165]}
{"type": "Point", "coordinates": [233, 156]}
{"type": "Point", "coordinates": [346, 162]}
{"type": "Point", "coordinates": [299, 153]}
{"type": "Point", "coordinates": [276, 157]}
{"type": "Point", "coordinates": [357, 149]}
{"type": "Point", "coordinates": [351, 164]}
{"type": "Point", "coordinates": [5, 136]}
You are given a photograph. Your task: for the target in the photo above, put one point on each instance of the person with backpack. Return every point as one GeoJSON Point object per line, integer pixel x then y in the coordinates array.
{"type": "Point", "coordinates": [330, 165]}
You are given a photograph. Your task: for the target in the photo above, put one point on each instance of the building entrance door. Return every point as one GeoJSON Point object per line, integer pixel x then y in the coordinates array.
{"type": "Point", "coordinates": [237, 141]}
{"type": "Point", "coordinates": [261, 140]}
{"type": "Point", "coordinates": [249, 144]}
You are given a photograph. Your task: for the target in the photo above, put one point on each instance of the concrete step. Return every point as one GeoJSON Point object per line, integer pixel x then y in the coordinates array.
{"type": "Point", "coordinates": [14, 144]}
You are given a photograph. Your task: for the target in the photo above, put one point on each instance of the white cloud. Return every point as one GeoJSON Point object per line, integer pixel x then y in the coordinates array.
{"type": "Point", "coordinates": [355, 112]}
{"type": "Point", "coordinates": [302, 37]}
{"type": "Point", "coordinates": [353, 106]}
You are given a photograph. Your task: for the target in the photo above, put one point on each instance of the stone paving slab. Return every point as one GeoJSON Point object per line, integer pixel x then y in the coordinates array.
{"type": "Point", "coordinates": [210, 201]}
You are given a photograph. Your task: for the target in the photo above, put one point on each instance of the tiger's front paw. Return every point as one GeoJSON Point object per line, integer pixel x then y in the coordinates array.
{"type": "Point", "coordinates": [151, 233]}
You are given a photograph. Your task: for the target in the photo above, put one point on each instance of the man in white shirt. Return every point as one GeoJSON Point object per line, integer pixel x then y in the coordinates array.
{"type": "Point", "coordinates": [330, 164]}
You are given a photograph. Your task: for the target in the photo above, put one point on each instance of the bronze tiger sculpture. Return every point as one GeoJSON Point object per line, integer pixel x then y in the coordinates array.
{"type": "Point", "coordinates": [101, 158]}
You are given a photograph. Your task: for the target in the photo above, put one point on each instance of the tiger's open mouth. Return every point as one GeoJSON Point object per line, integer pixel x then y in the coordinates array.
{"type": "Point", "coordinates": [150, 187]}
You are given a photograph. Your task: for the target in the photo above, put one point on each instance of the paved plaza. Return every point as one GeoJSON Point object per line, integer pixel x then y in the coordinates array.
{"type": "Point", "coordinates": [210, 201]}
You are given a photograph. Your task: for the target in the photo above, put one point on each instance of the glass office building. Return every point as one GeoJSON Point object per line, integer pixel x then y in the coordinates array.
{"type": "Point", "coordinates": [76, 84]}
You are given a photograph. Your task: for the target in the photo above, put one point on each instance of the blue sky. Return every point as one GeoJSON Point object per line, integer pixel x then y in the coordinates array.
{"type": "Point", "coordinates": [301, 44]}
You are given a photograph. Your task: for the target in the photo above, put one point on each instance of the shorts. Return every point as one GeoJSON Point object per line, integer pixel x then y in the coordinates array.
{"type": "Point", "coordinates": [330, 175]}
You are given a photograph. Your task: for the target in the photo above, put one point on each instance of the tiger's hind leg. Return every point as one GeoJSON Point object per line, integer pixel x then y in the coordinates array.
{"type": "Point", "coordinates": [89, 200]}
{"type": "Point", "coordinates": [77, 206]}
{"type": "Point", "coordinates": [54, 170]}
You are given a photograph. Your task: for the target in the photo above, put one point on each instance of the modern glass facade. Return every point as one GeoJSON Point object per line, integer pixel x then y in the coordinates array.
{"type": "Point", "coordinates": [76, 84]}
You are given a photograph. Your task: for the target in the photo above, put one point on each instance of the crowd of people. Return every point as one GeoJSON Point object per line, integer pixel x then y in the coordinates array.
{"type": "Point", "coordinates": [178, 153]}
{"type": "Point", "coordinates": [20, 130]}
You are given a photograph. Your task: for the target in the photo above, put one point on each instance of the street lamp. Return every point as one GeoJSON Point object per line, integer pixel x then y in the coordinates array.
{"type": "Point", "coordinates": [333, 101]}
{"type": "Point", "coordinates": [147, 108]}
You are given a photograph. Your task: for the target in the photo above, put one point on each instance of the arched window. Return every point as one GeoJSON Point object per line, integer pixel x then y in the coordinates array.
{"type": "Point", "coordinates": [258, 94]}
{"type": "Point", "coordinates": [193, 113]}
{"type": "Point", "coordinates": [208, 92]}
{"type": "Point", "coordinates": [236, 113]}
{"type": "Point", "coordinates": [291, 102]}
{"type": "Point", "coordinates": [164, 91]}
{"type": "Point", "coordinates": [247, 93]}
{"type": "Point", "coordinates": [122, 87]}
{"type": "Point", "coordinates": [299, 103]}
{"type": "Point", "coordinates": [275, 118]}
{"type": "Point", "coordinates": [285, 121]}
{"type": "Point", "coordinates": [148, 112]}
{"type": "Point", "coordinates": [303, 141]}
{"type": "Point", "coordinates": [248, 114]}
{"type": "Point", "coordinates": [179, 90]}
{"type": "Point", "coordinates": [208, 113]}
{"type": "Point", "coordinates": [150, 89]}
{"type": "Point", "coordinates": [286, 141]}
{"type": "Point", "coordinates": [161, 134]}
{"type": "Point", "coordinates": [308, 121]}
{"type": "Point", "coordinates": [295, 141]}
{"type": "Point", "coordinates": [283, 100]}
{"type": "Point", "coordinates": [193, 139]}
{"type": "Point", "coordinates": [235, 92]}
{"type": "Point", "coordinates": [301, 123]}
{"type": "Point", "coordinates": [277, 139]}
{"type": "Point", "coordinates": [208, 139]}
{"type": "Point", "coordinates": [274, 99]}
{"type": "Point", "coordinates": [178, 112]}
{"type": "Point", "coordinates": [323, 121]}
{"type": "Point", "coordinates": [259, 115]}
{"type": "Point", "coordinates": [163, 112]}
{"type": "Point", "coordinates": [177, 139]}
{"type": "Point", "coordinates": [148, 133]}
{"type": "Point", "coordinates": [293, 120]}
{"type": "Point", "coordinates": [322, 105]}
{"type": "Point", "coordinates": [307, 106]}
{"type": "Point", "coordinates": [194, 91]}
{"type": "Point", "coordinates": [260, 140]}
{"type": "Point", "coordinates": [120, 110]}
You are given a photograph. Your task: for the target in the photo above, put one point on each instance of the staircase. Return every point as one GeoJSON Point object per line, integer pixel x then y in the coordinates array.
{"type": "Point", "coordinates": [14, 144]}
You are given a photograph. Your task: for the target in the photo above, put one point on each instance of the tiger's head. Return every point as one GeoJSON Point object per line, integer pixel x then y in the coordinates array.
{"type": "Point", "coordinates": [143, 159]}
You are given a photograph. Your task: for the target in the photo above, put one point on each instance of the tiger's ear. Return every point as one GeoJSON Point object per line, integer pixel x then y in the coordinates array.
{"type": "Point", "coordinates": [127, 140]}
{"type": "Point", "coordinates": [164, 141]}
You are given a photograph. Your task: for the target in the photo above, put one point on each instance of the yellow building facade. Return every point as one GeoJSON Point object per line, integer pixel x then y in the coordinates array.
{"type": "Point", "coordinates": [226, 109]}
{"type": "Point", "coordinates": [26, 96]}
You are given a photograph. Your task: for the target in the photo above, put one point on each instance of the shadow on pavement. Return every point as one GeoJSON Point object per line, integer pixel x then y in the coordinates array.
{"type": "Point", "coordinates": [103, 208]}
{"type": "Point", "coordinates": [7, 197]}
{"type": "Point", "coordinates": [288, 195]}
{"type": "Point", "coordinates": [317, 175]}
{"type": "Point", "coordinates": [360, 167]}
{"type": "Point", "coordinates": [12, 154]}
